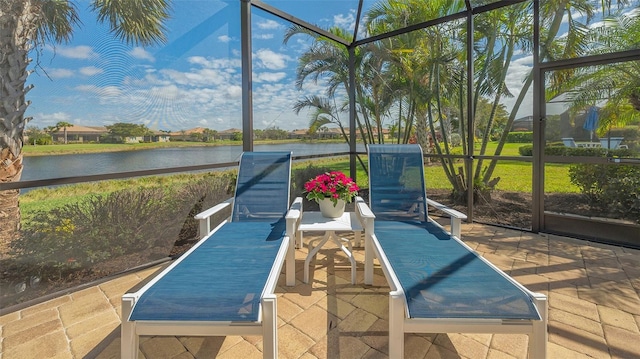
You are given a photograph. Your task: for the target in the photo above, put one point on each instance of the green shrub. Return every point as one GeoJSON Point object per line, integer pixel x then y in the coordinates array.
{"type": "Point", "coordinates": [520, 137]}
{"type": "Point", "coordinates": [96, 228]}
{"type": "Point", "coordinates": [612, 188]}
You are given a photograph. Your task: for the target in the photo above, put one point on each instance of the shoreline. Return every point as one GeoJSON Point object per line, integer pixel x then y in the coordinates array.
{"type": "Point", "coordinates": [83, 148]}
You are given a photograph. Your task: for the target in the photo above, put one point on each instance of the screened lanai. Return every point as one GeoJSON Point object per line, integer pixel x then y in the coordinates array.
{"type": "Point", "coordinates": [527, 113]}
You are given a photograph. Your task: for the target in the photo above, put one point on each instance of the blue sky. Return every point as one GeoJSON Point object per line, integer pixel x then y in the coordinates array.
{"type": "Point", "coordinates": [195, 78]}
{"type": "Point", "coordinates": [192, 80]}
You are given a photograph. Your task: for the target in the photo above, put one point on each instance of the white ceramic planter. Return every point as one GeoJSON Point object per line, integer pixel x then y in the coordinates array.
{"type": "Point", "coordinates": [328, 210]}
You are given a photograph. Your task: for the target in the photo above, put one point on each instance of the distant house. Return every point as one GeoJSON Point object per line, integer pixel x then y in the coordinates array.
{"type": "Point", "coordinates": [80, 134]}
{"type": "Point", "coordinates": [229, 134]}
{"type": "Point", "coordinates": [159, 136]}
{"type": "Point", "coordinates": [522, 124]}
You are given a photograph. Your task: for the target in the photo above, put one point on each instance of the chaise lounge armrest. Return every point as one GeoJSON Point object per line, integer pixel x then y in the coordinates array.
{"type": "Point", "coordinates": [455, 217]}
{"type": "Point", "coordinates": [205, 216]}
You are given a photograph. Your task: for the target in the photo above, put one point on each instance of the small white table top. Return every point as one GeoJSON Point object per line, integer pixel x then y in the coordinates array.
{"type": "Point", "coordinates": [314, 221]}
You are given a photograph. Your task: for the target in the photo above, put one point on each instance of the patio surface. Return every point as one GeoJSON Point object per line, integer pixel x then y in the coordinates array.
{"type": "Point", "coordinates": [593, 290]}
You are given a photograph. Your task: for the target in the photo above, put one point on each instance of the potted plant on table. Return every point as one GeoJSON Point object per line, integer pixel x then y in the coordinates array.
{"type": "Point", "coordinates": [331, 190]}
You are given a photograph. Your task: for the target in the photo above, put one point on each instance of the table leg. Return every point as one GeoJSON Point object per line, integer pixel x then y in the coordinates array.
{"type": "Point", "coordinates": [312, 252]}
{"type": "Point", "coordinates": [348, 252]}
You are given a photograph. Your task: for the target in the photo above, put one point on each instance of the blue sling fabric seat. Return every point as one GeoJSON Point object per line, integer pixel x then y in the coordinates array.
{"type": "Point", "coordinates": [224, 285]}
{"type": "Point", "coordinates": [438, 283]}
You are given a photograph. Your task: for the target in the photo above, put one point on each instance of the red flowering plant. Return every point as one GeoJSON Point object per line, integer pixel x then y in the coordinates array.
{"type": "Point", "coordinates": [334, 185]}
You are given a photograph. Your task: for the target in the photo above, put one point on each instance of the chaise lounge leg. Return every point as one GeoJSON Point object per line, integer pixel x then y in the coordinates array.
{"type": "Point", "coordinates": [539, 337]}
{"type": "Point", "coordinates": [396, 324]}
{"type": "Point", "coordinates": [269, 327]}
{"type": "Point", "coordinates": [129, 339]}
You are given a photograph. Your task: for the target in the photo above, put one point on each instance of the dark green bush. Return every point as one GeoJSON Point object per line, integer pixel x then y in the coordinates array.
{"type": "Point", "coordinates": [614, 189]}
{"type": "Point", "coordinates": [520, 137]}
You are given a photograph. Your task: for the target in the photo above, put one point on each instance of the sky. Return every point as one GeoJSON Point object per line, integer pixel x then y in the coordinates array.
{"type": "Point", "coordinates": [194, 80]}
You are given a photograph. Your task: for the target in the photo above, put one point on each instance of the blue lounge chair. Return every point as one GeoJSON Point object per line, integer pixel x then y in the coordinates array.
{"type": "Point", "coordinates": [225, 284]}
{"type": "Point", "coordinates": [438, 283]}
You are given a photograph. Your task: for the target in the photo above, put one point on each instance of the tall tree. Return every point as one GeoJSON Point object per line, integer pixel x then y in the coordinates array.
{"type": "Point", "coordinates": [64, 125]}
{"type": "Point", "coordinates": [26, 25]}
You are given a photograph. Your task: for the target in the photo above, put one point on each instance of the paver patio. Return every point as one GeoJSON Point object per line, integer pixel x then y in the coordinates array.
{"type": "Point", "coordinates": [593, 289]}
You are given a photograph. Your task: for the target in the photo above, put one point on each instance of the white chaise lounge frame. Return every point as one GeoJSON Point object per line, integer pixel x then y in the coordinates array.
{"type": "Point", "coordinates": [266, 326]}
{"type": "Point", "coordinates": [399, 321]}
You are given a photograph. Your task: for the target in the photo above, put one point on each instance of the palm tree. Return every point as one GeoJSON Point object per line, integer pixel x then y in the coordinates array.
{"type": "Point", "coordinates": [27, 25]}
{"type": "Point", "coordinates": [63, 125]}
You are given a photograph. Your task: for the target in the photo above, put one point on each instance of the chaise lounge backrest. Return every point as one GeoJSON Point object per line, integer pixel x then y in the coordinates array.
{"type": "Point", "coordinates": [398, 180]}
{"type": "Point", "coordinates": [260, 194]}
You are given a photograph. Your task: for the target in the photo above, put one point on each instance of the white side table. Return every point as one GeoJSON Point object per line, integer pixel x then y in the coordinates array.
{"type": "Point", "coordinates": [314, 221]}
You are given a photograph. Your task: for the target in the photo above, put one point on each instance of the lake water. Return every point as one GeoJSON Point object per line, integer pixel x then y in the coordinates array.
{"type": "Point", "coordinates": [60, 166]}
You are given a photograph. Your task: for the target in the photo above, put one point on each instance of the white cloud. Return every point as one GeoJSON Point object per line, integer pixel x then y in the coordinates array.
{"type": "Point", "coordinates": [76, 52]}
{"type": "Point", "coordinates": [59, 73]}
{"type": "Point", "coordinates": [90, 71]}
{"type": "Point", "coordinates": [268, 25]}
{"type": "Point", "coordinates": [345, 21]}
{"type": "Point", "coordinates": [53, 117]}
{"type": "Point", "coordinates": [269, 76]}
{"type": "Point", "coordinates": [141, 54]}
{"type": "Point", "coordinates": [271, 60]}
{"type": "Point", "coordinates": [263, 36]}
{"type": "Point", "coordinates": [224, 38]}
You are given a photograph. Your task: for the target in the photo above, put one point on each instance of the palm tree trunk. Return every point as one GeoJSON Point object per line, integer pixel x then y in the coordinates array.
{"type": "Point", "coordinates": [17, 27]}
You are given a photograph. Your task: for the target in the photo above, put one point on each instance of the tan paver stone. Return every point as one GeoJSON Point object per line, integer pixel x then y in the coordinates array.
{"type": "Point", "coordinates": [112, 350]}
{"type": "Point", "coordinates": [315, 322]}
{"type": "Point", "coordinates": [47, 346]}
{"type": "Point", "coordinates": [577, 340]}
{"type": "Point", "coordinates": [622, 343]}
{"type": "Point", "coordinates": [91, 323]}
{"type": "Point", "coordinates": [565, 272]}
{"type": "Point", "coordinates": [287, 309]}
{"type": "Point", "coordinates": [162, 347]}
{"type": "Point", "coordinates": [88, 304]}
{"type": "Point", "coordinates": [574, 305]}
{"type": "Point", "coordinates": [497, 354]}
{"type": "Point", "coordinates": [533, 282]}
{"type": "Point", "coordinates": [7, 318]}
{"type": "Point", "coordinates": [538, 258]}
{"type": "Point", "coordinates": [255, 340]}
{"type": "Point", "coordinates": [619, 287]}
{"type": "Point", "coordinates": [308, 356]}
{"type": "Point", "coordinates": [463, 345]}
{"type": "Point", "coordinates": [373, 302]}
{"type": "Point", "coordinates": [617, 318]}
{"type": "Point", "coordinates": [439, 352]}
{"type": "Point", "coordinates": [622, 302]}
{"type": "Point", "coordinates": [293, 343]}
{"type": "Point", "coordinates": [351, 347]}
{"type": "Point", "coordinates": [377, 336]}
{"type": "Point", "coordinates": [209, 347]}
{"type": "Point", "coordinates": [185, 355]}
{"type": "Point", "coordinates": [557, 351]}
{"type": "Point", "coordinates": [374, 354]}
{"type": "Point", "coordinates": [53, 303]}
{"type": "Point", "coordinates": [357, 321]}
{"type": "Point", "coordinates": [308, 298]}
{"type": "Point", "coordinates": [504, 256]}
{"type": "Point", "coordinates": [577, 321]}
{"type": "Point", "coordinates": [31, 333]}
{"type": "Point", "coordinates": [242, 350]}
{"type": "Point", "coordinates": [83, 344]}
{"type": "Point", "coordinates": [28, 322]}
{"type": "Point", "coordinates": [116, 288]}
{"type": "Point", "coordinates": [337, 307]}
